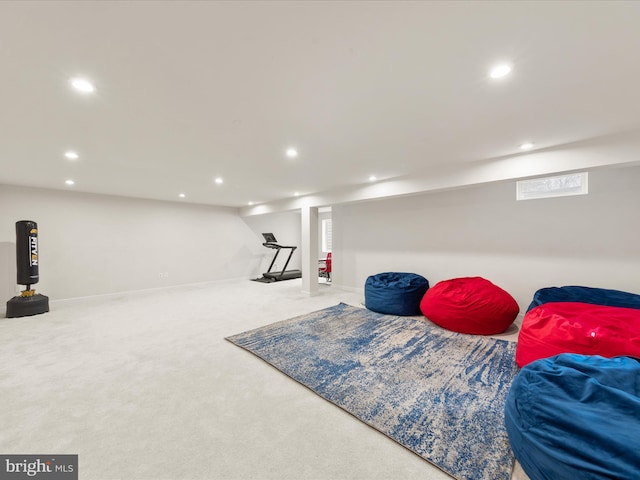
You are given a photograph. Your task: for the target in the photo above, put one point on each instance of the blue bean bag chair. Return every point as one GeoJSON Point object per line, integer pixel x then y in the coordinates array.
{"type": "Point", "coordinates": [595, 296]}
{"type": "Point", "coordinates": [576, 417]}
{"type": "Point", "coordinates": [395, 293]}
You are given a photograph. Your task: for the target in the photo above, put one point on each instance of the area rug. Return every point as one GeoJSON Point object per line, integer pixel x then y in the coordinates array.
{"type": "Point", "coordinates": [440, 394]}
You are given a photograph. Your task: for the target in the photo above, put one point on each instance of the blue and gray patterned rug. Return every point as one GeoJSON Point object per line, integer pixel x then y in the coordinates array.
{"type": "Point", "coordinates": [438, 393]}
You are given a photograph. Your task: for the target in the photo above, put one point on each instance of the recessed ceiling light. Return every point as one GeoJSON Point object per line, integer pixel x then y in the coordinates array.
{"type": "Point", "coordinates": [71, 155]}
{"type": "Point", "coordinates": [526, 146]}
{"type": "Point", "coordinates": [296, 194]}
{"type": "Point", "coordinates": [292, 153]}
{"type": "Point", "coordinates": [372, 178]}
{"type": "Point", "coordinates": [500, 71]}
{"type": "Point", "coordinates": [250, 203]}
{"type": "Point", "coordinates": [182, 195]}
{"type": "Point", "coordinates": [82, 85]}
{"type": "Point", "coordinates": [69, 182]}
{"type": "Point", "coordinates": [219, 180]}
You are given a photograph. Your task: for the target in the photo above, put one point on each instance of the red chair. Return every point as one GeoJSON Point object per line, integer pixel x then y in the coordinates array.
{"type": "Point", "coordinates": [324, 268]}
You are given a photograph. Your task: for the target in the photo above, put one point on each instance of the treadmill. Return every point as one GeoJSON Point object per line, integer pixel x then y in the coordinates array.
{"type": "Point", "coordinates": [284, 274]}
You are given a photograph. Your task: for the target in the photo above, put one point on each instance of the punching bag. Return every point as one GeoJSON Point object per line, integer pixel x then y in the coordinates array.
{"type": "Point", "coordinates": [27, 252]}
{"type": "Point", "coordinates": [27, 267]}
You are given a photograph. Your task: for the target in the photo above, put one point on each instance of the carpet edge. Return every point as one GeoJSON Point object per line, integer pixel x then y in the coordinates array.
{"type": "Point", "coordinates": [234, 339]}
{"type": "Point", "coordinates": [283, 322]}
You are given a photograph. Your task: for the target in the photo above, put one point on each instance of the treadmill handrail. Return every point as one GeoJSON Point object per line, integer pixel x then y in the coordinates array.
{"type": "Point", "coordinates": [275, 245]}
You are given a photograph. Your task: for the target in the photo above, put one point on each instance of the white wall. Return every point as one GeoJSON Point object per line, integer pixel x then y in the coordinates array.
{"type": "Point", "coordinates": [7, 271]}
{"type": "Point", "coordinates": [521, 246]}
{"type": "Point", "coordinates": [97, 244]}
{"type": "Point", "coordinates": [94, 244]}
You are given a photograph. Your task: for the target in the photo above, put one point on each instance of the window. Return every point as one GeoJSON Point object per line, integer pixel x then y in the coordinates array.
{"type": "Point", "coordinates": [558, 186]}
{"type": "Point", "coordinates": [326, 235]}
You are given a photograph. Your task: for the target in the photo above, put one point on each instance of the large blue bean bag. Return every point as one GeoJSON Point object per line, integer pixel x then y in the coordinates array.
{"type": "Point", "coordinates": [395, 293]}
{"type": "Point", "coordinates": [595, 296]}
{"type": "Point", "coordinates": [576, 417]}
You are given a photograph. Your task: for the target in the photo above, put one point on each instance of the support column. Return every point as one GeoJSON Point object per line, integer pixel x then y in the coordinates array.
{"type": "Point", "coordinates": [309, 251]}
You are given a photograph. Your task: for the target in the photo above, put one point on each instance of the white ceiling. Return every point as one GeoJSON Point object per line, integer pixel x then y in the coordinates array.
{"type": "Point", "coordinates": [187, 91]}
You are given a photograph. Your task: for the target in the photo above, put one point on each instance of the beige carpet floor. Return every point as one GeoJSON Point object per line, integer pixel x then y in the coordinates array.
{"type": "Point", "coordinates": [144, 386]}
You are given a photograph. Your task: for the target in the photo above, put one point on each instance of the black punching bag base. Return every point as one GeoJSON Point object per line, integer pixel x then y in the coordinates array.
{"type": "Point", "coordinates": [25, 306]}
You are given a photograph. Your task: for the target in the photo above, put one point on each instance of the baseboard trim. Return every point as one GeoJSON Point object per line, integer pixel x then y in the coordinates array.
{"type": "Point", "coordinates": [107, 296]}
{"type": "Point", "coordinates": [347, 288]}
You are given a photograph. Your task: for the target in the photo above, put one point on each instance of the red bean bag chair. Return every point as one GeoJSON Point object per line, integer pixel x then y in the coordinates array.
{"type": "Point", "coordinates": [469, 305]}
{"type": "Point", "coordinates": [583, 328]}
